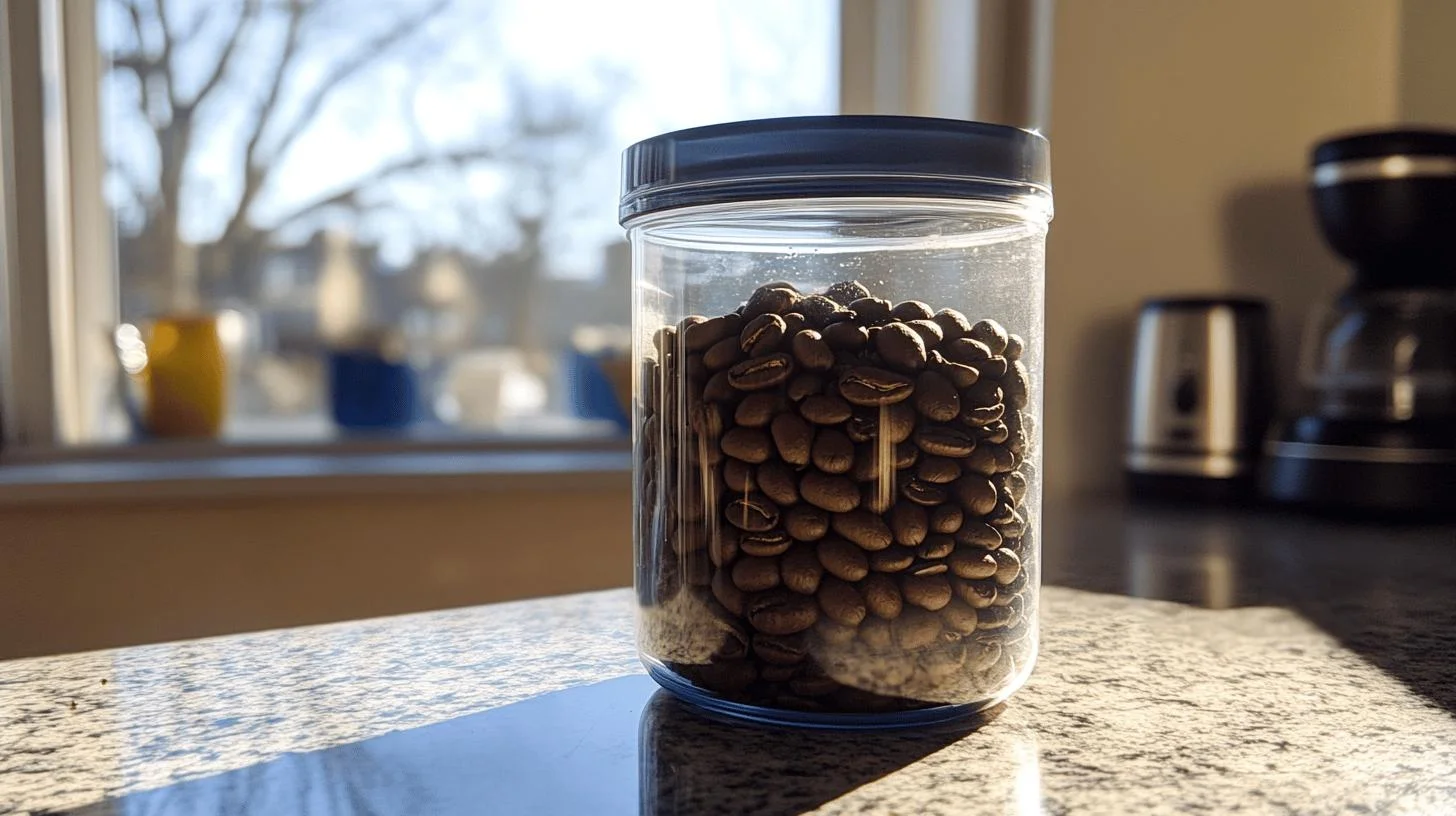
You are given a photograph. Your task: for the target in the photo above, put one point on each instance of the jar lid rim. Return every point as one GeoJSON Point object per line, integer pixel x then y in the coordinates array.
{"type": "Point", "coordinates": [831, 156]}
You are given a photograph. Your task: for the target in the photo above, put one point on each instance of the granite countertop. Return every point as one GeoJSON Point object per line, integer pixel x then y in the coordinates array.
{"type": "Point", "coordinates": [1320, 681]}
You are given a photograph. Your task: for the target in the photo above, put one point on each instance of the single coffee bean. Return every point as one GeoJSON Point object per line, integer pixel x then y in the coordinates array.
{"type": "Point", "coordinates": [846, 336]}
{"type": "Point", "coordinates": [960, 375]}
{"type": "Point", "coordinates": [768, 299]}
{"type": "Point", "coordinates": [876, 635]}
{"type": "Point", "coordinates": [1014, 347]}
{"type": "Point", "coordinates": [800, 569]}
{"type": "Point", "coordinates": [871, 311]}
{"type": "Point", "coordinates": [702, 452]}
{"type": "Point", "coordinates": [977, 534]}
{"type": "Point", "coordinates": [805, 385]}
{"type": "Point", "coordinates": [751, 445]}
{"type": "Point", "coordinates": [820, 311]}
{"type": "Point", "coordinates": [794, 322]}
{"type": "Point", "coordinates": [972, 563]}
{"type": "Point", "coordinates": [1013, 485]}
{"type": "Point", "coordinates": [894, 559]}
{"type": "Point", "coordinates": [846, 292]}
{"type": "Point", "coordinates": [874, 387]}
{"type": "Point", "coordinates": [937, 545]}
{"type": "Point", "coordinates": [930, 592]}
{"type": "Point", "coordinates": [990, 459]}
{"type": "Point", "coordinates": [868, 465]}
{"type": "Point", "coordinates": [762, 335]}
{"type": "Point", "coordinates": [832, 631]}
{"type": "Point", "coordinates": [928, 567]}
{"type": "Point", "coordinates": [965, 350]}
{"type": "Point", "coordinates": [976, 594]}
{"type": "Point", "coordinates": [916, 629]}
{"type": "Point", "coordinates": [832, 451]}
{"type": "Point", "coordinates": [723, 545]}
{"type": "Point", "coordinates": [992, 618]}
{"type": "Point", "coordinates": [841, 602]}
{"type": "Point", "coordinates": [900, 347]}
{"type": "Point", "coordinates": [738, 476]}
{"type": "Point", "coordinates": [701, 336]}
{"type": "Point", "coordinates": [1016, 385]}
{"type": "Point", "coordinates": [909, 523]}
{"type": "Point", "coordinates": [781, 650]}
{"type": "Point", "coordinates": [1008, 565]}
{"type": "Point", "coordinates": [753, 513]}
{"type": "Point", "coordinates": [758, 409]}
{"type": "Point", "coordinates": [878, 496]}
{"type": "Point", "coordinates": [946, 518]}
{"type": "Point", "coordinates": [843, 559]}
{"type": "Point", "coordinates": [780, 612]}
{"type": "Point", "coordinates": [959, 617]}
{"type": "Point", "coordinates": [825, 409]}
{"type": "Point", "coordinates": [833, 493]}
{"type": "Point", "coordinates": [766, 544]}
{"type": "Point", "coordinates": [719, 388]}
{"type": "Point", "coordinates": [805, 522]}
{"type": "Point", "coordinates": [995, 368]}
{"type": "Point", "coordinates": [981, 416]}
{"type": "Point", "coordinates": [936, 397]}
{"type": "Point", "coordinates": [864, 528]}
{"type": "Point", "coordinates": [923, 493]}
{"type": "Point", "coordinates": [706, 419]}
{"type": "Point", "coordinates": [755, 574]}
{"type": "Point", "coordinates": [975, 493]}
{"type": "Point", "coordinates": [778, 482]}
{"type": "Point", "coordinates": [938, 469]}
{"type": "Point", "coordinates": [929, 331]}
{"type": "Point", "coordinates": [1017, 587]}
{"type": "Point", "coordinates": [811, 351]}
{"type": "Point", "coordinates": [793, 437]}
{"type": "Point", "coordinates": [1015, 528]}
{"type": "Point", "coordinates": [733, 599]}
{"type": "Point", "coordinates": [893, 422]}
{"type": "Point", "coordinates": [761, 372]}
{"type": "Point", "coordinates": [908, 310]}
{"type": "Point", "coordinates": [991, 333]}
{"type": "Point", "coordinates": [882, 596]}
{"type": "Point", "coordinates": [945, 440]}
{"type": "Point", "coordinates": [722, 354]}
{"type": "Point", "coordinates": [665, 340]}
{"type": "Point", "coordinates": [953, 324]}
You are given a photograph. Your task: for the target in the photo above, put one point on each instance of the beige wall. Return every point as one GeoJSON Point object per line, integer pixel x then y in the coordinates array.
{"type": "Point", "coordinates": [1179, 134]}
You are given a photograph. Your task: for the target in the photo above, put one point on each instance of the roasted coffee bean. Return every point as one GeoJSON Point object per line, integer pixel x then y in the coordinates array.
{"type": "Point", "coordinates": [959, 617]}
{"type": "Point", "coordinates": [896, 422]}
{"type": "Point", "coordinates": [761, 372]}
{"type": "Point", "coordinates": [1016, 385]}
{"type": "Point", "coordinates": [953, 324]}
{"type": "Point", "coordinates": [868, 465]}
{"type": "Point", "coordinates": [873, 387]}
{"type": "Point", "coordinates": [758, 409]}
{"type": "Point", "coordinates": [770, 298]}
{"type": "Point", "coordinates": [972, 563]}
{"type": "Point", "coordinates": [836, 494]}
{"type": "Point", "coordinates": [805, 522]}
{"type": "Point", "coordinates": [881, 596]}
{"type": "Point", "coordinates": [841, 602]}
{"type": "Point", "coordinates": [702, 452]}
{"type": "Point", "coordinates": [1014, 347]}
{"type": "Point", "coordinates": [876, 634]}
{"type": "Point", "coordinates": [738, 476]}
{"type": "Point", "coordinates": [900, 347]}
{"type": "Point", "coordinates": [929, 331]}
{"type": "Point", "coordinates": [916, 629]}
{"type": "Point", "coordinates": [929, 592]}
{"type": "Point", "coordinates": [960, 375]}
{"type": "Point", "coordinates": [842, 559]}
{"type": "Point", "coordinates": [976, 594]}
{"type": "Point", "coordinates": [800, 569]}
{"type": "Point", "coordinates": [1008, 565]}
{"type": "Point", "coordinates": [765, 544]}
{"type": "Point", "coordinates": [701, 336]}
{"type": "Point", "coordinates": [991, 333]}
{"type": "Point", "coordinates": [846, 336]}
{"type": "Point", "coordinates": [893, 559]}
{"type": "Point", "coordinates": [945, 440]}
{"type": "Point", "coordinates": [832, 451]}
{"type": "Point", "coordinates": [975, 493]}
{"type": "Point", "coordinates": [989, 459]}
{"type": "Point", "coordinates": [794, 322]}
{"type": "Point", "coordinates": [992, 618]}
{"type": "Point", "coordinates": [909, 523]}
{"type": "Point", "coordinates": [832, 631]}
{"type": "Point", "coordinates": [780, 612]}
{"type": "Point", "coordinates": [805, 385]}
{"type": "Point", "coordinates": [719, 388]}
{"type": "Point", "coordinates": [748, 444]}
{"type": "Point", "coordinates": [937, 545]}
{"type": "Point", "coordinates": [938, 469]}
{"type": "Point", "coordinates": [936, 397]}
{"type": "Point", "coordinates": [1018, 584]}
{"type": "Point", "coordinates": [1004, 513]}
{"type": "Point", "coordinates": [846, 292]}
{"type": "Point", "coordinates": [820, 311]}
{"type": "Point", "coordinates": [665, 340]}
{"type": "Point", "coordinates": [864, 528]}
{"type": "Point", "coordinates": [753, 513]}
{"type": "Point", "coordinates": [908, 310]}
{"type": "Point", "coordinates": [994, 368]}
{"type": "Point", "coordinates": [752, 574]}
{"type": "Point", "coordinates": [781, 650]}
{"type": "Point", "coordinates": [977, 534]}
{"type": "Point", "coordinates": [965, 350]}
{"type": "Point", "coordinates": [723, 545]}
{"type": "Point", "coordinates": [923, 493]}
{"type": "Point", "coordinates": [1015, 528]}
{"type": "Point", "coordinates": [982, 416]}
{"type": "Point", "coordinates": [723, 354]}
{"type": "Point", "coordinates": [778, 482]}
{"type": "Point", "coordinates": [878, 496]}
{"type": "Point", "coordinates": [706, 419]}
{"type": "Point", "coordinates": [946, 518]}
{"type": "Point", "coordinates": [928, 567]}
{"type": "Point", "coordinates": [811, 351]}
{"type": "Point", "coordinates": [728, 594]}
{"type": "Point", "coordinates": [825, 409]}
{"type": "Point", "coordinates": [762, 335]}
{"type": "Point", "coordinates": [871, 311]}
{"type": "Point", "coordinates": [793, 437]}
{"type": "Point", "coordinates": [1013, 486]}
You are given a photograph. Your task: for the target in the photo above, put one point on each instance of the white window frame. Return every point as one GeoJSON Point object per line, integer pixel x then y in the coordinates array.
{"type": "Point", "coordinates": [909, 57]}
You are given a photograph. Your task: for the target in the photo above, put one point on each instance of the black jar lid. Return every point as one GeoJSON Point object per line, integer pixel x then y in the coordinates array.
{"type": "Point", "coordinates": [831, 157]}
{"type": "Point", "coordinates": [1376, 144]}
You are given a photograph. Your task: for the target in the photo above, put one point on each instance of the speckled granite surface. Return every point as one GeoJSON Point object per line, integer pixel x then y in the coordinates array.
{"type": "Point", "coordinates": [1136, 706]}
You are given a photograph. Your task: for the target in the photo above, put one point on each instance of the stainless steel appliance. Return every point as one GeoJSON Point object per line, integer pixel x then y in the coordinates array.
{"type": "Point", "coordinates": [1200, 397]}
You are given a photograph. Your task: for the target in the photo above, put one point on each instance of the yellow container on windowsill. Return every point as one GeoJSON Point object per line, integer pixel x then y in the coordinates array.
{"type": "Point", "coordinates": [178, 363]}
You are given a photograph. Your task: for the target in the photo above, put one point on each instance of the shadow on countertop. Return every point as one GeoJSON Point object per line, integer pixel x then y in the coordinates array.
{"type": "Point", "coordinates": [1387, 592]}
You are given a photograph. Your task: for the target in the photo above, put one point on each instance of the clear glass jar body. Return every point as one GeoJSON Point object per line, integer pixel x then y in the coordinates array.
{"type": "Point", "coordinates": [838, 500]}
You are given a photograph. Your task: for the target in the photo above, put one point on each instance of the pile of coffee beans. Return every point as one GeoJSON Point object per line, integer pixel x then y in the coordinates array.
{"type": "Point", "coordinates": [832, 502]}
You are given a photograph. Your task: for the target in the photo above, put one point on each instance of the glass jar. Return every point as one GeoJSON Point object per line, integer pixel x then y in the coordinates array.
{"type": "Point", "coordinates": [837, 352]}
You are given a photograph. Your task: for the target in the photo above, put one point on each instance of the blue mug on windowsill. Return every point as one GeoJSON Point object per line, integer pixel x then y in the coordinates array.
{"type": "Point", "coordinates": [371, 385]}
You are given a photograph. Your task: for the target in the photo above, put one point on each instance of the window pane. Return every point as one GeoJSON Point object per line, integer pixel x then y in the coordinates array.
{"type": "Point", "coordinates": [432, 181]}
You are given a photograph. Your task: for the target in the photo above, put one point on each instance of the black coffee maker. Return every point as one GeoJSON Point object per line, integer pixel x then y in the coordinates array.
{"type": "Point", "coordinates": [1377, 429]}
